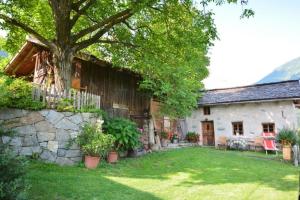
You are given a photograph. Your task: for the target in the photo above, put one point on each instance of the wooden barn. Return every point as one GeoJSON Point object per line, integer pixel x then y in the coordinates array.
{"type": "Point", "coordinates": [117, 87]}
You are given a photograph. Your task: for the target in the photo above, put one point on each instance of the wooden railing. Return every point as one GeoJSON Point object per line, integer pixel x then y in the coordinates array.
{"type": "Point", "coordinates": [79, 99]}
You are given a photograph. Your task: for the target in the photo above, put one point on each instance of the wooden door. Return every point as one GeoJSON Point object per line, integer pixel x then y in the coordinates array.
{"type": "Point", "coordinates": [208, 134]}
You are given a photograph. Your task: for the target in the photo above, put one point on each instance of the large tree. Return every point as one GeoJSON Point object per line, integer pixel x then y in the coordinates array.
{"type": "Point", "coordinates": [165, 40]}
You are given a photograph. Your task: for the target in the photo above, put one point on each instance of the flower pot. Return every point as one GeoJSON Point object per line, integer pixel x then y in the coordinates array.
{"type": "Point", "coordinates": [286, 152]}
{"type": "Point", "coordinates": [164, 142]}
{"type": "Point", "coordinates": [175, 141]}
{"type": "Point", "coordinates": [91, 162]}
{"type": "Point", "coordinates": [112, 157]}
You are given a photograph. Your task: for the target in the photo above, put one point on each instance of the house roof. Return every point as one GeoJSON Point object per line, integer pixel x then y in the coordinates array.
{"type": "Point", "coordinates": [252, 93]}
{"type": "Point", "coordinates": [23, 63]}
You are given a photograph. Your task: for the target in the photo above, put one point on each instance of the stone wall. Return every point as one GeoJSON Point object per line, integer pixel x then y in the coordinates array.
{"type": "Point", "coordinates": [45, 133]}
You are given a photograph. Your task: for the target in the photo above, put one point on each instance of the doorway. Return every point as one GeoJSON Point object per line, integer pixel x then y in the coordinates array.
{"type": "Point", "coordinates": [208, 134]}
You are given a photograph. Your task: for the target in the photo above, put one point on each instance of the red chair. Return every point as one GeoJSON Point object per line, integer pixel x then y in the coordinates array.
{"type": "Point", "coordinates": [269, 142]}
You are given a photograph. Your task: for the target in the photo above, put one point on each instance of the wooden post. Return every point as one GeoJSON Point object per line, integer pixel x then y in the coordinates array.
{"type": "Point", "coordinates": [85, 98]}
{"type": "Point", "coordinates": [48, 97]}
{"type": "Point", "coordinates": [44, 95]}
{"type": "Point", "coordinates": [79, 94]}
{"type": "Point", "coordinates": [38, 95]}
{"type": "Point", "coordinates": [74, 98]}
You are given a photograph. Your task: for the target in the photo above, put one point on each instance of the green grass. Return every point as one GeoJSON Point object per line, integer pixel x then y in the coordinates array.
{"type": "Point", "coordinates": [190, 173]}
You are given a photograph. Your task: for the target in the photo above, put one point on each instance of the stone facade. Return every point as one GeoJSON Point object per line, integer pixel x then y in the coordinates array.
{"type": "Point", "coordinates": [282, 113]}
{"type": "Point", "coordinates": [45, 133]}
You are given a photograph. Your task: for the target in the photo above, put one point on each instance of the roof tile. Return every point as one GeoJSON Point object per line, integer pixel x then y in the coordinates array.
{"type": "Point", "coordinates": [259, 92]}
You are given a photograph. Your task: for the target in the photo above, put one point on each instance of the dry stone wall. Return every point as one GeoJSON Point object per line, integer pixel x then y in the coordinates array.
{"type": "Point", "coordinates": [45, 133]}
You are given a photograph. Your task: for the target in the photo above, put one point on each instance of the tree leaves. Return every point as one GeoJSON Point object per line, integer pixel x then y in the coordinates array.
{"type": "Point", "coordinates": [165, 41]}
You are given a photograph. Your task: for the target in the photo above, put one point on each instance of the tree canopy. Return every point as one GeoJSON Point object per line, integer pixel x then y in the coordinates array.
{"type": "Point", "coordinates": [167, 41]}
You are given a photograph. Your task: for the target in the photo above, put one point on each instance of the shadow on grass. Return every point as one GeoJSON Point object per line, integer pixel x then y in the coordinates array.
{"type": "Point", "coordinates": [200, 167]}
{"type": "Point", "coordinates": [209, 167]}
{"type": "Point", "coordinates": [66, 183]}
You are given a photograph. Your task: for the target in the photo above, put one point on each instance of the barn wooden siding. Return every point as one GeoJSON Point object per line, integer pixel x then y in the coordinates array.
{"type": "Point", "coordinates": [119, 92]}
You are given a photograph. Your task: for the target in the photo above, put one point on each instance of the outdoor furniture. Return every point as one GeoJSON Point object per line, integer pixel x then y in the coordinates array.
{"type": "Point", "coordinates": [239, 143]}
{"type": "Point", "coordinates": [257, 143]}
{"type": "Point", "coordinates": [222, 142]}
{"type": "Point", "coordinates": [269, 142]}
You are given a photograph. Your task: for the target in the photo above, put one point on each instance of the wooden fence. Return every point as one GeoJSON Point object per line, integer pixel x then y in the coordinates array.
{"type": "Point", "coordinates": [78, 99]}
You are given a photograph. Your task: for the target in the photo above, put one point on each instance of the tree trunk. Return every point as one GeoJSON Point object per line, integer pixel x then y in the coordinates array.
{"type": "Point", "coordinates": [63, 61]}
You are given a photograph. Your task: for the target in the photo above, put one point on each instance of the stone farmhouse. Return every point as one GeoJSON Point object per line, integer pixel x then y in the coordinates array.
{"type": "Point", "coordinates": [246, 111]}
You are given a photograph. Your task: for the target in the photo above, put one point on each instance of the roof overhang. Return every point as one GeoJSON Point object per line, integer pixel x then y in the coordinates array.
{"type": "Point", "coordinates": [23, 63]}
{"type": "Point", "coordinates": [251, 101]}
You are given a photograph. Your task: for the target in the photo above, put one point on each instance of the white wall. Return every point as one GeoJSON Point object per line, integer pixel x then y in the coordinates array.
{"type": "Point", "coordinates": [282, 113]}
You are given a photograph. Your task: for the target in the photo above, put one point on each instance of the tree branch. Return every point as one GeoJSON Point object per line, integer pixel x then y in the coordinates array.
{"type": "Point", "coordinates": [128, 44]}
{"type": "Point", "coordinates": [76, 5]}
{"type": "Point", "coordinates": [106, 26]}
{"type": "Point", "coordinates": [103, 23]}
{"type": "Point", "coordinates": [81, 11]}
{"type": "Point", "coordinates": [132, 28]}
{"type": "Point", "coordinates": [28, 29]}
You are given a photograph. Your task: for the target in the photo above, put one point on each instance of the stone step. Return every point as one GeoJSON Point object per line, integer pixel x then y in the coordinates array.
{"type": "Point", "coordinates": [180, 145]}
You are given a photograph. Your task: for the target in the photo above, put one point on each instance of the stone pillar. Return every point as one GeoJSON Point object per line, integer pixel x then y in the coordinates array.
{"type": "Point", "coordinates": [151, 132]}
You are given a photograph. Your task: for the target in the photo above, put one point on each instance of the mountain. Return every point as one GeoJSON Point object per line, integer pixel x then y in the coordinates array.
{"type": "Point", "coordinates": [287, 71]}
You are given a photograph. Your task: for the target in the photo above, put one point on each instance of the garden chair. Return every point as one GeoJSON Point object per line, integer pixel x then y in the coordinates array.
{"type": "Point", "coordinates": [222, 142]}
{"type": "Point", "coordinates": [257, 143]}
{"type": "Point", "coordinates": [269, 142]}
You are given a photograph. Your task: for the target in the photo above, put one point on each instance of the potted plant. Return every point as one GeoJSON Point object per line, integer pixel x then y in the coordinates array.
{"type": "Point", "coordinates": [174, 138]}
{"type": "Point", "coordinates": [94, 144]}
{"type": "Point", "coordinates": [192, 137]}
{"type": "Point", "coordinates": [112, 157]}
{"type": "Point", "coordinates": [126, 133]}
{"type": "Point", "coordinates": [164, 138]}
{"type": "Point", "coordinates": [287, 138]}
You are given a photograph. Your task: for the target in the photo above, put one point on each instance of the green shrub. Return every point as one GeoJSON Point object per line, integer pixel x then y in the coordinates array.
{"type": "Point", "coordinates": [17, 93]}
{"type": "Point", "coordinates": [164, 135]}
{"type": "Point", "coordinates": [192, 137]}
{"type": "Point", "coordinates": [93, 109]}
{"type": "Point", "coordinates": [93, 142]}
{"type": "Point", "coordinates": [287, 136]}
{"type": "Point", "coordinates": [12, 172]}
{"type": "Point", "coordinates": [125, 132]}
{"type": "Point", "coordinates": [65, 105]}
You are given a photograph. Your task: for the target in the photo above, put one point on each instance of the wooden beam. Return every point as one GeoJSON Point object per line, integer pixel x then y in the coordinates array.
{"type": "Point", "coordinates": [24, 59]}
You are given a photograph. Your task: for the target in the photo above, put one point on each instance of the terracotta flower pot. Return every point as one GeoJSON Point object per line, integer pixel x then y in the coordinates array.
{"type": "Point", "coordinates": [112, 157]}
{"type": "Point", "coordinates": [91, 162]}
{"type": "Point", "coordinates": [286, 152]}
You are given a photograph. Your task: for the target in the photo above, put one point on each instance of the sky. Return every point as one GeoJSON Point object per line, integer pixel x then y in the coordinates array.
{"type": "Point", "coordinates": [249, 49]}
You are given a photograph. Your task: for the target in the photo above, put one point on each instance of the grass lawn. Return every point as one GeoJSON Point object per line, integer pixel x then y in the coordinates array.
{"type": "Point", "coordinates": [190, 173]}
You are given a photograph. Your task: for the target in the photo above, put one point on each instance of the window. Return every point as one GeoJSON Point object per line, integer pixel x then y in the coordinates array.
{"type": "Point", "coordinates": [237, 128]}
{"type": "Point", "coordinates": [268, 127]}
{"type": "Point", "coordinates": [206, 110]}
